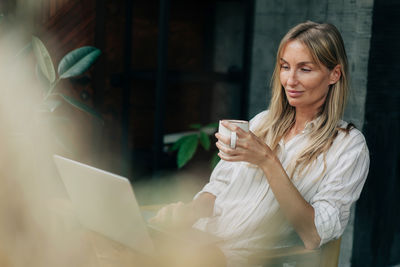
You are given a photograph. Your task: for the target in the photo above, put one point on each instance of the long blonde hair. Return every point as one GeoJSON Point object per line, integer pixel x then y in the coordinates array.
{"type": "Point", "coordinates": [327, 48]}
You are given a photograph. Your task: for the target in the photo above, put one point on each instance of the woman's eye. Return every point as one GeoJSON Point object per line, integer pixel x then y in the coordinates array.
{"type": "Point", "coordinates": [305, 70]}
{"type": "Point", "coordinates": [285, 67]}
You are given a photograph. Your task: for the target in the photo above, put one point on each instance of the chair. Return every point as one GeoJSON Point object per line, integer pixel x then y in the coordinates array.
{"type": "Point", "coordinates": [326, 256]}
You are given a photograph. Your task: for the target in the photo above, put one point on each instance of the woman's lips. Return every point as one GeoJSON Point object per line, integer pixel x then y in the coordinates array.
{"type": "Point", "coordinates": [294, 93]}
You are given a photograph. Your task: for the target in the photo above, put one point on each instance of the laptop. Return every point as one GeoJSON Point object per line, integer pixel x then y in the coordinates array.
{"type": "Point", "coordinates": [105, 203]}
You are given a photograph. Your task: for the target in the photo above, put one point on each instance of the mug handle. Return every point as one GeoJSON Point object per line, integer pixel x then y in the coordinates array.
{"type": "Point", "coordinates": [233, 140]}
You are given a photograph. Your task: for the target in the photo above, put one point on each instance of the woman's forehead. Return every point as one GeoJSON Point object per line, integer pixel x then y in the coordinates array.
{"type": "Point", "coordinates": [296, 50]}
{"type": "Point", "coordinates": [300, 51]}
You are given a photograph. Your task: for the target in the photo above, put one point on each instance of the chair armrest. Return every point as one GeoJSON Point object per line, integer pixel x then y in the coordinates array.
{"type": "Point", "coordinates": [285, 254]}
{"type": "Point", "coordinates": [326, 256]}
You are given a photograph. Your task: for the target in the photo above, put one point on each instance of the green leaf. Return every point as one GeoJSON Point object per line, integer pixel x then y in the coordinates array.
{"type": "Point", "coordinates": [195, 126]}
{"type": "Point", "coordinates": [44, 60]}
{"type": "Point", "coordinates": [187, 149]}
{"type": "Point", "coordinates": [214, 160]}
{"type": "Point", "coordinates": [205, 140]}
{"type": "Point", "coordinates": [77, 61]}
{"type": "Point", "coordinates": [79, 105]}
{"type": "Point", "coordinates": [42, 79]}
{"type": "Point", "coordinates": [212, 125]}
{"type": "Point", "coordinates": [177, 143]}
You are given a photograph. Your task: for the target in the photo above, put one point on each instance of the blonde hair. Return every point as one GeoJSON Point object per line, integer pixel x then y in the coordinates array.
{"type": "Point", "coordinates": [327, 48]}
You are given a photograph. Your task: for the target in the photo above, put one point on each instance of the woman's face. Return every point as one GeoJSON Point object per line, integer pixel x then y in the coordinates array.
{"type": "Point", "coordinates": [305, 81]}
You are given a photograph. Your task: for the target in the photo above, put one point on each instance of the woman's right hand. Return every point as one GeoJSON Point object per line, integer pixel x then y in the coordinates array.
{"type": "Point", "coordinates": [175, 215]}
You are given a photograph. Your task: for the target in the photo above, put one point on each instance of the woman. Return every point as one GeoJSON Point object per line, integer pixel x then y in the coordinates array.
{"type": "Point", "coordinates": [299, 169]}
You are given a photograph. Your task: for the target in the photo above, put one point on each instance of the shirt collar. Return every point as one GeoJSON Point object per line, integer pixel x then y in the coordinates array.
{"type": "Point", "coordinates": [308, 128]}
{"type": "Point", "coordinates": [311, 125]}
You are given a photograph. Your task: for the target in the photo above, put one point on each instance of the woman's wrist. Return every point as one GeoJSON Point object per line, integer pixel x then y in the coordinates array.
{"type": "Point", "coordinates": [271, 162]}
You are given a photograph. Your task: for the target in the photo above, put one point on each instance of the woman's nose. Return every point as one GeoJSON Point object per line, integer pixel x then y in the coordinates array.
{"type": "Point", "coordinates": [292, 79]}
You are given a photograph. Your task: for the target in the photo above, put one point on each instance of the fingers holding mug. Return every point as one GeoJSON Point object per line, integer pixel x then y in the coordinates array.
{"type": "Point", "coordinates": [233, 140]}
{"type": "Point", "coordinates": [240, 127]}
{"type": "Point", "coordinates": [227, 132]}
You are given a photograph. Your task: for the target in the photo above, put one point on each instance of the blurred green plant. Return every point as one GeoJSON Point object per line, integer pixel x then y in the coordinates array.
{"type": "Point", "coordinates": [187, 145]}
{"type": "Point", "coordinates": [73, 64]}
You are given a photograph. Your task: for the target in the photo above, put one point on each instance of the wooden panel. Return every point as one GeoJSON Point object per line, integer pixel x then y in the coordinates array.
{"type": "Point", "coordinates": [66, 25]}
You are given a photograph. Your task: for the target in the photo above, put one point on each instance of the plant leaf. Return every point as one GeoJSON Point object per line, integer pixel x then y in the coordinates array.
{"type": "Point", "coordinates": [187, 149]}
{"type": "Point", "coordinates": [79, 105]}
{"type": "Point", "coordinates": [195, 126]}
{"type": "Point", "coordinates": [42, 78]}
{"type": "Point", "coordinates": [44, 60]}
{"type": "Point", "coordinates": [177, 143]}
{"type": "Point", "coordinates": [77, 61]}
{"type": "Point", "coordinates": [204, 140]}
{"type": "Point", "coordinates": [212, 125]}
{"type": "Point", "coordinates": [214, 160]}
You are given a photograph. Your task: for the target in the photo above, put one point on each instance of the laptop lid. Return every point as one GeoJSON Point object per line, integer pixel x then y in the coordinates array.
{"type": "Point", "coordinates": [105, 203]}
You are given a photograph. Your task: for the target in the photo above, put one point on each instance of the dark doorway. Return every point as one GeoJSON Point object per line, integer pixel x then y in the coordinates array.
{"type": "Point", "coordinates": [377, 221]}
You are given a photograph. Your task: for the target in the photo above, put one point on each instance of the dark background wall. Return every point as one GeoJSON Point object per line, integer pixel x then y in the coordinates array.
{"type": "Point", "coordinates": [377, 223]}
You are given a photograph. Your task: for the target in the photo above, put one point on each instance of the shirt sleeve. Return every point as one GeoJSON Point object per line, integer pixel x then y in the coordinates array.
{"type": "Point", "coordinates": [223, 172]}
{"type": "Point", "coordinates": [340, 188]}
{"type": "Point", "coordinates": [256, 120]}
{"type": "Point", "coordinates": [219, 180]}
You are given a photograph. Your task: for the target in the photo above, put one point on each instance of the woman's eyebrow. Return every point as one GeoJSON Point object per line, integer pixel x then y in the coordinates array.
{"type": "Point", "coordinates": [306, 62]}
{"type": "Point", "coordinates": [301, 63]}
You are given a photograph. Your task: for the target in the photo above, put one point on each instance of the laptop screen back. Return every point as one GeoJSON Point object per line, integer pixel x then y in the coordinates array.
{"type": "Point", "coordinates": [105, 203]}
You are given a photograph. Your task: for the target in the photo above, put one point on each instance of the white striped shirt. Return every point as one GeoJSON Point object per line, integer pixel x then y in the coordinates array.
{"type": "Point", "coordinates": [246, 213]}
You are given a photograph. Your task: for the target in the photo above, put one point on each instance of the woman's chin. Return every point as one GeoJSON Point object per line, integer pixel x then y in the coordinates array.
{"type": "Point", "coordinates": [294, 103]}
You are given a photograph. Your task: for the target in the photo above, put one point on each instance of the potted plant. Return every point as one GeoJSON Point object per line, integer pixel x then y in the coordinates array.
{"type": "Point", "coordinates": [187, 145]}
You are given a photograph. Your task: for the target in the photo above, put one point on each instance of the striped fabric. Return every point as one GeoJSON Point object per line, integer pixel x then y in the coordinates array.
{"type": "Point", "coordinates": [246, 213]}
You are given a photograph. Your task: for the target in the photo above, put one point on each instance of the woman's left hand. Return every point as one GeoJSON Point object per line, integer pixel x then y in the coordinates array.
{"type": "Point", "coordinates": [249, 147]}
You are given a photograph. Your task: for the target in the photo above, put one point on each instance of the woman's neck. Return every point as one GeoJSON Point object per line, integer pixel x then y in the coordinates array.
{"type": "Point", "coordinates": [301, 120]}
{"type": "Point", "coordinates": [303, 117]}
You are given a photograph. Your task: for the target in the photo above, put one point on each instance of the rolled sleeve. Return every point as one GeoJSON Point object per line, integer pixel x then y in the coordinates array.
{"type": "Point", "coordinates": [219, 180]}
{"type": "Point", "coordinates": [340, 188]}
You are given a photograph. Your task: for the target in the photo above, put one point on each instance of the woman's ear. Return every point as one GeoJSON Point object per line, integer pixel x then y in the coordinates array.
{"type": "Point", "coordinates": [335, 74]}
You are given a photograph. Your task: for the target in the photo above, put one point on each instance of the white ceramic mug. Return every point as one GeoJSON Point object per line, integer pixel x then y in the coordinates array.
{"type": "Point", "coordinates": [244, 125]}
